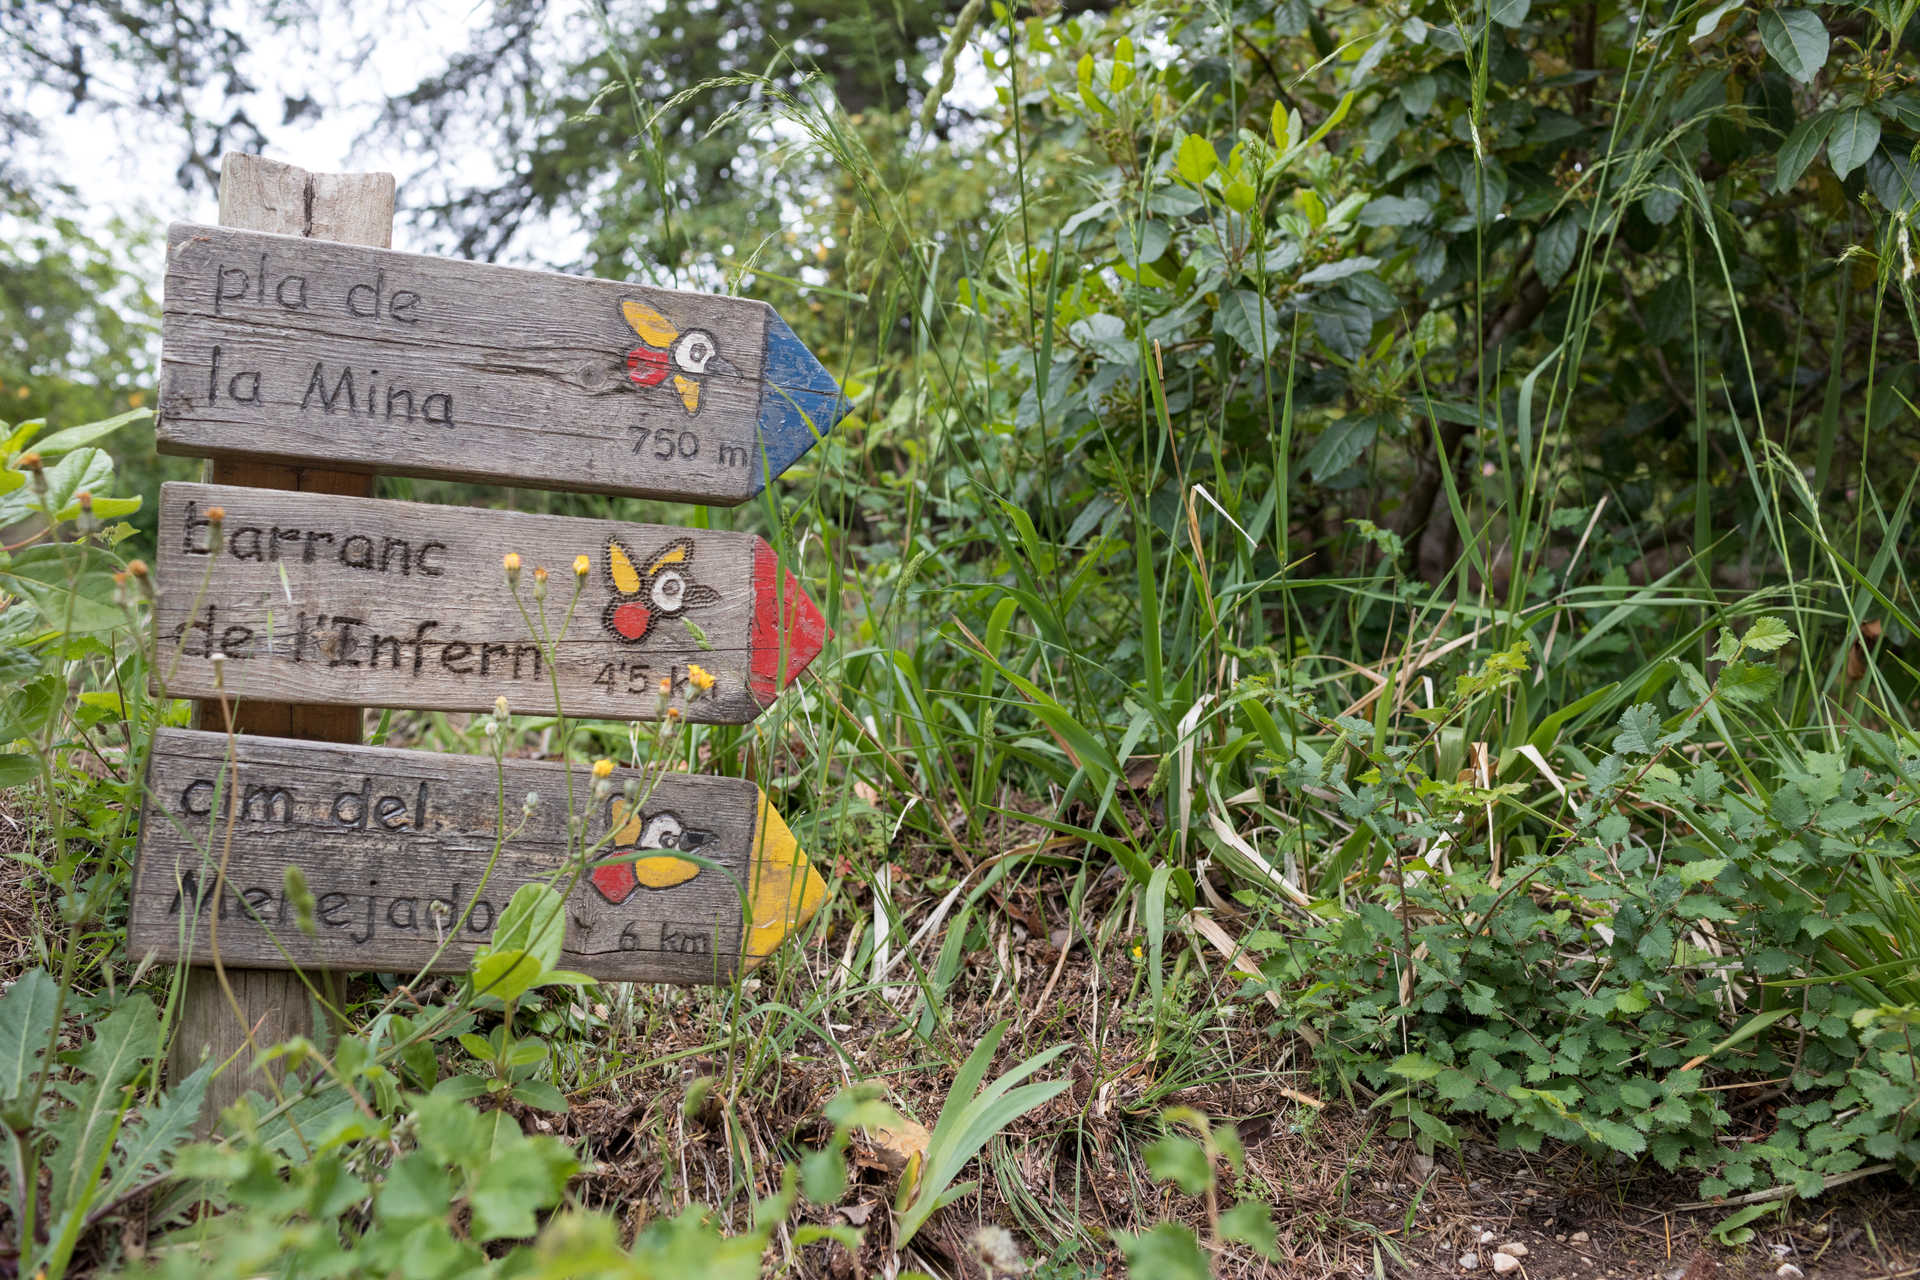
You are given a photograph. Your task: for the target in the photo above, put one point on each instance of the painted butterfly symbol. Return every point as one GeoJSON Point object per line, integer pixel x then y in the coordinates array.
{"type": "Point", "coordinates": [664, 588]}
{"type": "Point", "coordinates": [666, 350]}
{"type": "Point", "coordinates": [616, 879]}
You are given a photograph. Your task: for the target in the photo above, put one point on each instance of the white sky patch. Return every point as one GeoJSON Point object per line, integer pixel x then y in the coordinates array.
{"type": "Point", "coordinates": [349, 62]}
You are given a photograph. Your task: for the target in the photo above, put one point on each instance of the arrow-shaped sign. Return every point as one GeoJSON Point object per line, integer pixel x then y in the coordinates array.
{"type": "Point", "coordinates": [310, 351]}
{"type": "Point", "coordinates": [396, 848]}
{"type": "Point", "coordinates": [298, 597]}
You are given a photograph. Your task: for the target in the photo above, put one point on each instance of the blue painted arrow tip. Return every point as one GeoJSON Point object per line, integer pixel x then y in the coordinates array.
{"type": "Point", "coordinates": [799, 403]}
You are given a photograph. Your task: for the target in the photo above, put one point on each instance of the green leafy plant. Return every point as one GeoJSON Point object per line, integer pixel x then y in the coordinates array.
{"type": "Point", "coordinates": [1170, 1251]}
{"type": "Point", "coordinates": [969, 1119]}
{"type": "Point", "coordinates": [82, 1118]}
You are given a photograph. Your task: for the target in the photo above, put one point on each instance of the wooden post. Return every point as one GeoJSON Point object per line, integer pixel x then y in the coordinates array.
{"type": "Point", "coordinates": [258, 194]}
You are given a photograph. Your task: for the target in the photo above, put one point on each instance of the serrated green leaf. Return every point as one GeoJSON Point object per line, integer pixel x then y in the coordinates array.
{"type": "Point", "coordinates": [416, 1189]}
{"type": "Point", "coordinates": [1767, 634]}
{"type": "Point", "coordinates": [1251, 1223]}
{"type": "Point", "coordinates": [1701, 871]}
{"type": "Point", "coordinates": [26, 1020]}
{"type": "Point", "coordinates": [1167, 1252]}
{"type": "Point", "coordinates": [1415, 1066]}
{"type": "Point", "coordinates": [122, 1043]}
{"type": "Point", "coordinates": [1639, 730]}
{"type": "Point", "coordinates": [1747, 683]}
{"type": "Point", "coordinates": [1180, 1161]}
{"type": "Point", "coordinates": [530, 1175]}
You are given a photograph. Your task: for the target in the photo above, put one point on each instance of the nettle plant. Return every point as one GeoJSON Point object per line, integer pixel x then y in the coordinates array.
{"type": "Point", "coordinates": [1695, 920]}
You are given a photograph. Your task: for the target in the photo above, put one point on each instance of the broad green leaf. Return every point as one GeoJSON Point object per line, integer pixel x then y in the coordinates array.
{"type": "Point", "coordinates": [1106, 336]}
{"type": "Point", "coordinates": [1855, 134]}
{"type": "Point", "coordinates": [86, 433]}
{"type": "Point", "coordinates": [1181, 1161]}
{"type": "Point", "coordinates": [1895, 181]}
{"type": "Point", "coordinates": [416, 1189]}
{"type": "Point", "coordinates": [1395, 211]}
{"type": "Point", "coordinates": [1145, 241]}
{"type": "Point", "coordinates": [23, 432]}
{"type": "Point", "coordinates": [505, 975]}
{"type": "Point", "coordinates": [1195, 159]}
{"type": "Point", "coordinates": [1797, 40]}
{"type": "Point", "coordinates": [1328, 272]}
{"type": "Point", "coordinates": [26, 1020]}
{"type": "Point", "coordinates": [1710, 20]}
{"type": "Point", "coordinates": [1554, 248]}
{"type": "Point", "coordinates": [1801, 146]}
{"type": "Point", "coordinates": [1340, 445]}
{"type": "Point", "coordinates": [1167, 1252]}
{"type": "Point", "coordinates": [87, 470]}
{"type": "Point", "coordinates": [103, 509]}
{"type": "Point", "coordinates": [534, 921]}
{"type": "Point", "coordinates": [530, 1175]}
{"type": "Point", "coordinates": [540, 1095]}
{"type": "Point", "coordinates": [1251, 1223]}
{"type": "Point", "coordinates": [1250, 320]}
{"type": "Point", "coordinates": [1510, 13]}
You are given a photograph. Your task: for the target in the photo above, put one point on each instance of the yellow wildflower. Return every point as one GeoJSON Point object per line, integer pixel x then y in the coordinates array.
{"type": "Point", "coordinates": [603, 768]}
{"type": "Point", "coordinates": [701, 677]}
{"type": "Point", "coordinates": [580, 566]}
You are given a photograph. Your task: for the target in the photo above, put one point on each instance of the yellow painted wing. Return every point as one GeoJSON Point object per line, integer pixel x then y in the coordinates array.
{"type": "Point", "coordinates": [689, 391]}
{"type": "Point", "coordinates": [625, 580]}
{"type": "Point", "coordinates": [625, 823]}
{"type": "Point", "coordinates": [679, 551]}
{"type": "Point", "coordinates": [663, 871]}
{"type": "Point", "coordinates": [652, 327]}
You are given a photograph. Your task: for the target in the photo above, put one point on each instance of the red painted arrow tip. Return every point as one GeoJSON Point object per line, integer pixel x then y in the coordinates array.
{"type": "Point", "coordinates": [788, 631]}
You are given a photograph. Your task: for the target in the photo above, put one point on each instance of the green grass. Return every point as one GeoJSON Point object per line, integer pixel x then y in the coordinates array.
{"type": "Point", "coordinates": [1113, 663]}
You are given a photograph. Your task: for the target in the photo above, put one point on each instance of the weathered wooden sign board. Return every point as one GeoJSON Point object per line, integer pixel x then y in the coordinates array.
{"type": "Point", "coordinates": [309, 350]}
{"type": "Point", "coordinates": [312, 598]}
{"type": "Point", "coordinates": [395, 848]}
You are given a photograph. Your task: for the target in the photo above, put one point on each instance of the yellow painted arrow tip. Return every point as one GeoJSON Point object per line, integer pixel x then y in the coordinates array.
{"type": "Point", "coordinates": [786, 888]}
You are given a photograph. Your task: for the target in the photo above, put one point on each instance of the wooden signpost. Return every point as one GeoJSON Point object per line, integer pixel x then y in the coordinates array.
{"type": "Point", "coordinates": [301, 365]}
{"type": "Point", "coordinates": [309, 598]}
{"type": "Point", "coordinates": [303, 350]}
{"type": "Point", "coordinates": [397, 849]}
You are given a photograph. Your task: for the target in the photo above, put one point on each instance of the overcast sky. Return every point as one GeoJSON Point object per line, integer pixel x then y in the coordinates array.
{"type": "Point", "coordinates": [122, 165]}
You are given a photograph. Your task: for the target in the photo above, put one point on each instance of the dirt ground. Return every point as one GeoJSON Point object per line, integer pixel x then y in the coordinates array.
{"type": "Point", "coordinates": [1347, 1200]}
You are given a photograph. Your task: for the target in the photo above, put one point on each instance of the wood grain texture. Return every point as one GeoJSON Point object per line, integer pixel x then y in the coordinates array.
{"type": "Point", "coordinates": [398, 851]}
{"type": "Point", "coordinates": [319, 599]}
{"type": "Point", "coordinates": [437, 367]}
{"type": "Point", "coordinates": [266, 195]}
